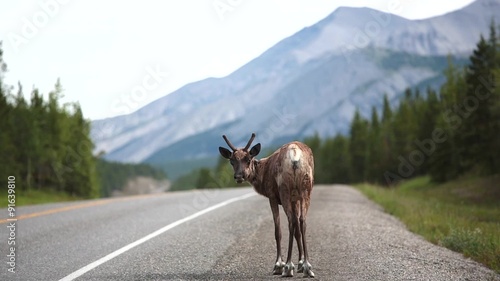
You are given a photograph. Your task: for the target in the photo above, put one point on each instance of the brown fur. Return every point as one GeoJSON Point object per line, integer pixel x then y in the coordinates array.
{"type": "Point", "coordinates": [285, 183]}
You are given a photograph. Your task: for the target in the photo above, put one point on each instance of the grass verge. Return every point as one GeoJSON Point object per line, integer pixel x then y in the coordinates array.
{"type": "Point", "coordinates": [34, 196]}
{"type": "Point", "coordinates": [462, 215]}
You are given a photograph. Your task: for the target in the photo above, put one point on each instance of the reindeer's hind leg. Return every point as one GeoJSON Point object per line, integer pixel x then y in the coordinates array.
{"type": "Point", "coordinates": [298, 239]}
{"type": "Point", "coordinates": [306, 267]}
{"type": "Point", "coordinates": [293, 223]}
{"type": "Point", "coordinates": [287, 207]}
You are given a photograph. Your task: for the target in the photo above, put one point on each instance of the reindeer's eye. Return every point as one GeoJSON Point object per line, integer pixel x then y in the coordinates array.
{"type": "Point", "coordinates": [232, 161]}
{"type": "Point", "coordinates": [247, 159]}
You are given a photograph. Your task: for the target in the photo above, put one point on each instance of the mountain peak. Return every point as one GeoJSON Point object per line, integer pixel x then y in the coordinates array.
{"type": "Point", "coordinates": [309, 82]}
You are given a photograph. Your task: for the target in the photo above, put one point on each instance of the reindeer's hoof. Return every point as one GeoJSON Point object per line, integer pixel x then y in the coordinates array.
{"type": "Point", "coordinates": [278, 268]}
{"type": "Point", "coordinates": [307, 270]}
{"type": "Point", "coordinates": [300, 266]}
{"type": "Point", "coordinates": [288, 270]}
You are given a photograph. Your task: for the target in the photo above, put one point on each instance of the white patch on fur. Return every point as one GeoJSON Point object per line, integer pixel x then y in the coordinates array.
{"type": "Point", "coordinates": [294, 153]}
{"type": "Point", "coordinates": [279, 179]}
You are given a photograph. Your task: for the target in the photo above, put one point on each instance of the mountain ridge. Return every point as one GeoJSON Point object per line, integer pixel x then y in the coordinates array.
{"type": "Point", "coordinates": [268, 94]}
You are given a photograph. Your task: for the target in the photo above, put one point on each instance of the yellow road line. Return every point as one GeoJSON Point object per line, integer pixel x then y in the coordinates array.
{"type": "Point", "coordinates": [74, 207]}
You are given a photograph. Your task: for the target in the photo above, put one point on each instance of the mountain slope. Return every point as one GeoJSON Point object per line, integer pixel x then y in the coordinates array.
{"type": "Point", "coordinates": [309, 82]}
{"type": "Point", "coordinates": [290, 114]}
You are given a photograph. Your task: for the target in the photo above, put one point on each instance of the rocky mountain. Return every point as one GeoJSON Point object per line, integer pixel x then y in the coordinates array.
{"type": "Point", "coordinates": [309, 82]}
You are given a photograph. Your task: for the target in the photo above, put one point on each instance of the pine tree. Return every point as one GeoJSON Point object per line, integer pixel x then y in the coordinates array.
{"type": "Point", "coordinates": [387, 161]}
{"type": "Point", "coordinates": [445, 162]}
{"type": "Point", "coordinates": [386, 111]}
{"type": "Point", "coordinates": [374, 150]}
{"type": "Point", "coordinates": [80, 174]}
{"type": "Point", "coordinates": [8, 150]}
{"type": "Point", "coordinates": [404, 127]}
{"type": "Point", "coordinates": [72, 164]}
{"type": "Point", "coordinates": [58, 131]}
{"type": "Point", "coordinates": [39, 149]}
{"type": "Point", "coordinates": [427, 111]}
{"type": "Point", "coordinates": [337, 160]}
{"type": "Point", "coordinates": [358, 147]}
{"type": "Point", "coordinates": [23, 124]}
{"type": "Point", "coordinates": [325, 164]}
{"type": "Point", "coordinates": [493, 103]}
{"type": "Point", "coordinates": [476, 110]}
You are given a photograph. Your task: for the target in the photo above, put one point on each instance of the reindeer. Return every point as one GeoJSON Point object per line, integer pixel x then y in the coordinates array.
{"type": "Point", "coordinates": [286, 178]}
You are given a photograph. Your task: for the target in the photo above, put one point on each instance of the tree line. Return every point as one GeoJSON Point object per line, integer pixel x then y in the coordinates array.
{"type": "Point", "coordinates": [445, 133]}
{"type": "Point", "coordinates": [47, 145]}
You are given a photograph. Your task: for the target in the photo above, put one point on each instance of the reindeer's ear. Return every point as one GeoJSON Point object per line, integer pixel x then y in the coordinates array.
{"type": "Point", "coordinates": [225, 152]}
{"type": "Point", "coordinates": [255, 150]}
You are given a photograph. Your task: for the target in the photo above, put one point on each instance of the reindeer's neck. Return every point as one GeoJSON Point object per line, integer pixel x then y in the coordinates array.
{"type": "Point", "coordinates": [257, 175]}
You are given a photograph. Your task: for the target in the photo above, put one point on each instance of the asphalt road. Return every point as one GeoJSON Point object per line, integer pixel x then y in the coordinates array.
{"type": "Point", "coordinates": [349, 238]}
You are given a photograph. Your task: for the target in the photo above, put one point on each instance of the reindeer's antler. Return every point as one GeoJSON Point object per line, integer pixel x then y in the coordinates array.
{"type": "Point", "coordinates": [229, 143]}
{"type": "Point", "coordinates": [250, 141]}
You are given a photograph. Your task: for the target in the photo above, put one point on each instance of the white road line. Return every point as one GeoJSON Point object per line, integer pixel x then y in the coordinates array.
{"type": "Point", "coordinates": [122, 250]}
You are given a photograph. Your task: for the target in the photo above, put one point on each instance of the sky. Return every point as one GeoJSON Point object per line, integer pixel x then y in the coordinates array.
{"type": "Point", "coordinates": [114, 57]}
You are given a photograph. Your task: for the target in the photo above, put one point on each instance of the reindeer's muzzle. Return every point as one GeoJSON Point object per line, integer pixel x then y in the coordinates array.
{"type": "Point", "coordinates": [238, 178]}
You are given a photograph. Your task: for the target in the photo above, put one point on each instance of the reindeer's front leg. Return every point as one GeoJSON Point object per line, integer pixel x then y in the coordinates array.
{"type": "Point", "coordinates": [278, 266]}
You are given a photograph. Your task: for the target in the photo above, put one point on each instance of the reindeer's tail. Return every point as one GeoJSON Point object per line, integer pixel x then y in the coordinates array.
{"type": "Point", "coordinates": [295, 155]}
{"type": "Point", "coordinates": [297, 163]}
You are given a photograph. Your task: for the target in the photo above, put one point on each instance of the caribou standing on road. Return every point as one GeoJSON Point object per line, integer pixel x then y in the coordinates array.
{"type": "Point", "coordinates": [286, 177]}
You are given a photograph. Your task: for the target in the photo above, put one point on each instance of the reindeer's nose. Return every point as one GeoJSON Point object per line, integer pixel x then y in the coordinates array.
{"type": "Point", "coordinates": [238, 178]}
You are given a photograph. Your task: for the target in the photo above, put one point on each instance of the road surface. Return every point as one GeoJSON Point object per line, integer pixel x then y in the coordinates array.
{"type": "Point", "coordinates": [201, 235]}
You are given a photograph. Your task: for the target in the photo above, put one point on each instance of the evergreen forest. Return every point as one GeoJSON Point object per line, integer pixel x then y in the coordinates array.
{"type": "Point", "coordinates": [46, 145]}
{"type": "Point", "coordinates": [444, 134]}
